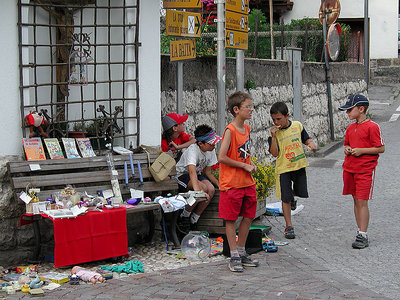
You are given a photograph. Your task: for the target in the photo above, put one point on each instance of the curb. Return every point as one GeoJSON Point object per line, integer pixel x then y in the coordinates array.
{"type": "Point", "coordinates": [327, 149]}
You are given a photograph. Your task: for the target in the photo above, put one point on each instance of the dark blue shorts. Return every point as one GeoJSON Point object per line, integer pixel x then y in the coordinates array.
{"type": "Point", "coordinates": [184, 179]}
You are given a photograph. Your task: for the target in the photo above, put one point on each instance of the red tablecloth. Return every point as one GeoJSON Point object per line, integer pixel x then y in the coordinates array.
{"type": "Point", "coordinates": [93, 236]}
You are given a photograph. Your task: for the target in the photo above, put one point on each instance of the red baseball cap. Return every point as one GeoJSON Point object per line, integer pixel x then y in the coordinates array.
{"type": "Point", "coordinates": [178, 118]}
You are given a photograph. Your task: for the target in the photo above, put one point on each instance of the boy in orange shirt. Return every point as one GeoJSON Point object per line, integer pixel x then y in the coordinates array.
{"type": "Point", "coordinates": [237, 187]}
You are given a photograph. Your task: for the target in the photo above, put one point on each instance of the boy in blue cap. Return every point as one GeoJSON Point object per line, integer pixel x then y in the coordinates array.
{"type": "Point", "coordinates": [362, 145]}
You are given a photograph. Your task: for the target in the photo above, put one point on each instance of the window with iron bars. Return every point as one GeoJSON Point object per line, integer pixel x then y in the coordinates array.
{"type": "Point", "coordinates": [79, 68]}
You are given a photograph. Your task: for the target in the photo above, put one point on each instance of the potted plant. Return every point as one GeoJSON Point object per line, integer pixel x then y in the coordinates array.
{"type": "Point", "coordinates": [78, 130]}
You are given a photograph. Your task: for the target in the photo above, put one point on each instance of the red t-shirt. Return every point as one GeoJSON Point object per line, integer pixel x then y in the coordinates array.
{"type": "Point", "coordinates": [181, 139]}
{"type": "Point", "coordinates": [364, 135]}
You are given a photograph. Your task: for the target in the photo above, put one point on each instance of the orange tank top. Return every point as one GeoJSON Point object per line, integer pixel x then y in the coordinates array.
{"type": "Point", "coordinates": [239, 150]}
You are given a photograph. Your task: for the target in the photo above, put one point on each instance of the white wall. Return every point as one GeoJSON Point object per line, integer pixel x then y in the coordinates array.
{"type": "Point", "coordinates": [149, 77]}
{"type": "Point", "coordinates": [149, 72]}
{"type": "Point", "coordinates": [383, 16]}
{"type": "Point", "coordinates": [10, 132]}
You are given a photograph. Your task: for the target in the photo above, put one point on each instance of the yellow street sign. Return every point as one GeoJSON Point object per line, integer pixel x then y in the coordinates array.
{"type": "Point", "coordinates": [236, 21]}
{"type": "Point", "coordinates": [236, 39]}
{"type": "Point", "coordinates": [239, 6]}
{"type": "Point", "coordinates": [184, 49]}
{"type": "Point", "coordinates": [180, 23]}
{"type": "Point", "coordinates": [182, 4]}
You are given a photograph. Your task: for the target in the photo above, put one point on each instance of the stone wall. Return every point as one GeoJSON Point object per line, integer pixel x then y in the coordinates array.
{"type": "Point", "coordinates": [273, 83]}
{"type": "Point", "coordinates": [384, 70]}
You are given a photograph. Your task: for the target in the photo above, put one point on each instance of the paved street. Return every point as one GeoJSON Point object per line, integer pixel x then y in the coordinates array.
{"type": "Point", "coordinates": [326, 227]}
{"type": "Point", "coordinates": [318, 264]}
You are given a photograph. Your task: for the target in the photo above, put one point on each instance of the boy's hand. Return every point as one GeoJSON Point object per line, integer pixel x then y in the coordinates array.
{"type": "Point", "coordinates": [356, 152]}
{"type": "Point", "coordinates": [207, 196]}
{"type": "Point", "coordinates": [347, 150]}
{"type": "Point", "coordinates": [274, 129]}
{"type": "Point", "coordinates": [311, 146]}
{"type": "Point", "coordinates": [173, 146]}
{"type": "Point", "coordinates": [250, 168]}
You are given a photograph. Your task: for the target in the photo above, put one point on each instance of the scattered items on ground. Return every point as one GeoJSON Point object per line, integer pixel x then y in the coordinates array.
{"type": "Point", "coordinates": [133, 266]}
{"type": "Point", "coordinates": [269, 245]}
{"type": "Point", "coordinates": [87, 275]}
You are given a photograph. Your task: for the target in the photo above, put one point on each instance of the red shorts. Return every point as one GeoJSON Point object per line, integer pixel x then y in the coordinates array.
{"type": "Point", "coordinates": [237, 202]}
{"type": "Point", "coordinates": [360, 185]}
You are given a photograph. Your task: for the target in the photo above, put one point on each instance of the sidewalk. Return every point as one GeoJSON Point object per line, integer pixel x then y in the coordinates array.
{"type": "Point", "coordinates": [286, 274]}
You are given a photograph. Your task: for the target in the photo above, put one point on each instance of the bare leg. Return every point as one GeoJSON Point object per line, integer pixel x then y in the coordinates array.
{"type": "Point", "coordinates": [287, 213]}
{"type": "Point", "coordinates": [210, 190]}
{"type": "Point", "coordinates": [244, 231]}
{"type": "Point", "coordinates": [230, 232]}
{"type": "Point", "coordinates": [361, 212]}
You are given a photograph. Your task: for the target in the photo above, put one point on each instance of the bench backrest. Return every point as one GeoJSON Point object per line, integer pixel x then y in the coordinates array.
{"type": "Point", "coordinates": [84, 174]}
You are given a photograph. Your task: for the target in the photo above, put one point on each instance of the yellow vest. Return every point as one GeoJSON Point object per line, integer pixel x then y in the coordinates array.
{"type": "Point", "coordinates": [291, 155]}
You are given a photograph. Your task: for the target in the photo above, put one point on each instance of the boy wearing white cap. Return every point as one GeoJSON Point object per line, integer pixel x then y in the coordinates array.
{"type": "Point", "coordinates": [362, 145]}
{"type": "Point", "coordinates": [195, 162]}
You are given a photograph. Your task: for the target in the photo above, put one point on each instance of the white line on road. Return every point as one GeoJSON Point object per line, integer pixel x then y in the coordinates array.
{"type": "Point", "coordinates": [394, 117]}
{"type": "Point", "coordinates": [375, 102]}
{"type": "Point", "coordinates": [398, 109]}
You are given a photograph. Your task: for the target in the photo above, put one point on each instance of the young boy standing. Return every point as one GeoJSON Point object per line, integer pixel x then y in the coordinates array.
{"type": "Point", "coordinates": [197, 158]}
{"type": "Point", "coordinates": [362, 145]}
{"type": "Point", "coordinates": [236, 184]}
{"type": "Point", "coordinates": [285, 143]}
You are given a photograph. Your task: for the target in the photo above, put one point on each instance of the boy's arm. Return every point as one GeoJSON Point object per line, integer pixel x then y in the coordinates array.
{"type": "Point", "coordinates": [193, 177]}
{"type": "Point", "coordinates": [174, 146]}
{"type": "Point", "coordinates": [273, 147]}
{"type": "Point", "coordinates": [370, 151]}
{"type": "Point", "coordinates": [224, 159]}
{"type": "Point", "coordinates": [211, 177]}
{"type": "Point", "coordinates": [310, 145]}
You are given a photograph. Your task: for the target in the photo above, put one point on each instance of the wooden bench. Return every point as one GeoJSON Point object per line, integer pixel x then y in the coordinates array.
{"type": "Point", "coordinates": [90, 175]}
{"type": "Point", "coordinates": [210, 222]}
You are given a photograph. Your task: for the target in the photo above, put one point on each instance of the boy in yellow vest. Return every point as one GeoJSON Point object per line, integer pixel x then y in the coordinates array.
{"type": "Point", "coordinates": [285, 143]}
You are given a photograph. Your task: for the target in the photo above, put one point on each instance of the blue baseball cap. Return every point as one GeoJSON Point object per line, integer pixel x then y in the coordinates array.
{"type": "Point", "coordinates": [354, 100]}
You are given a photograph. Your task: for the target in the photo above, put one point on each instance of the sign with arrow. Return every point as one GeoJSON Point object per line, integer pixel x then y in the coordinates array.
{"type": "Point", "coordinates": [236, 21]}
{"type": "Point", "coordinates": [239, 6]}
{"type": "Point", "coordinates": [181, 3]}
{"type": "Point", "coordinates": [182, 49]}
{"type": "Point", "coordinates": [236, 39]}
{"type": "Point", "coordinates": [180, 23]}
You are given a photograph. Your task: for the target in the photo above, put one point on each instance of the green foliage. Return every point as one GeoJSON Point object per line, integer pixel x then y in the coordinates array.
{"type": "Point", "coordinates": [250, 84]}
{"type": "Point", "coordinates": [264, 177]}
{"type": "Point", "coordinates": [312, 44]}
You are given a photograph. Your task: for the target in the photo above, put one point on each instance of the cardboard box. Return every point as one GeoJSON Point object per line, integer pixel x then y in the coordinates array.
{"type": "Point", "coordinates": [54, 277]}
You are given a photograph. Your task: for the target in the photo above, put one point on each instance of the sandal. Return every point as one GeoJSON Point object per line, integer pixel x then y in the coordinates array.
{"type": "Point", "coordinates": [289, 232]}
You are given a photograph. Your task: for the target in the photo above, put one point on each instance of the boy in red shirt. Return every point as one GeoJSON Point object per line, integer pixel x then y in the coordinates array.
{"type": "Point", "coordinates": [362, 145]}
{"type": "Point", "coordinates": [174, 138]}
{"type": "Point", "coordinates": [237, 186]}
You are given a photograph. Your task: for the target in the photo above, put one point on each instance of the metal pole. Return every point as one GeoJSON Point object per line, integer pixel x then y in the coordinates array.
{"type": "Point", "coordinates": [240, 70]}
{"type": "Point", "coordinates": [271, 24]}
{"type": "Point", "coordinates": [179, 87]}
{"type": "Point", "coordinates": [366, 42]}
{"type": "Point", "coordinates": [328, 83]}
{"type": "Point", "coordinates": [221, 66]}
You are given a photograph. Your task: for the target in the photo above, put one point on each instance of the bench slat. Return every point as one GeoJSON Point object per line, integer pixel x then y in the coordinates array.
{"type": "Point", "coordinates": [77, 163]}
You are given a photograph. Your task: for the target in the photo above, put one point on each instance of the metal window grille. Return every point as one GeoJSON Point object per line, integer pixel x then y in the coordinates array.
{"type": "Point", "coordinates": [79, 63]}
